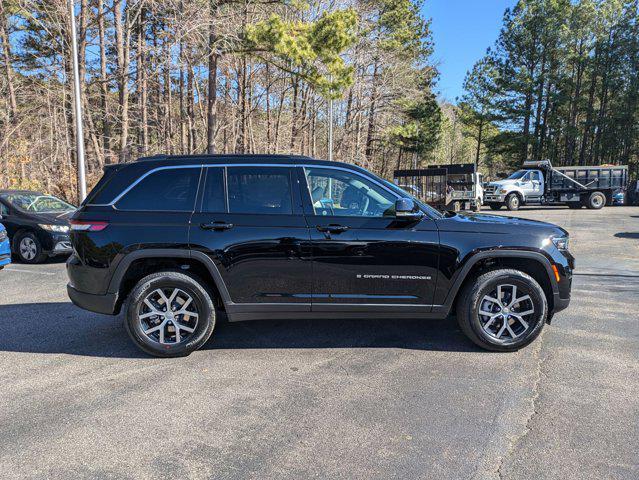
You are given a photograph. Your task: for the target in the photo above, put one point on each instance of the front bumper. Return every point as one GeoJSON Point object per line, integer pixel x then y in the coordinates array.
{"type": "Point", "coordinates": [560, 303]}
{"type": "Point", "coordinates": [494, 198]}
{"type": "Point", "coordinates": [5, 253]}
{"type": "Point", "coordinates": [62, 247]}
{"type": "Point", "coordinates": [105, 304]}
{"type": "Point", "coordinates": [565, 263]}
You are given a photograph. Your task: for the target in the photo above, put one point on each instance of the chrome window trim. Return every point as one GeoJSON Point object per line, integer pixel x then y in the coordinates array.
{"type": "Point", "coordinates": [142, 177]}
{"type": "Point", "coordinates": [230, 165]}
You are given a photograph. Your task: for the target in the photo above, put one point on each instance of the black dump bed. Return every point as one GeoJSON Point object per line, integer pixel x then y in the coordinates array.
{"type": "Point", "coordinates": [427, 184]}
{"type": "Point", "coordinates": [604, 177]}
{"type": "Point", "coordinates": [439, 185]}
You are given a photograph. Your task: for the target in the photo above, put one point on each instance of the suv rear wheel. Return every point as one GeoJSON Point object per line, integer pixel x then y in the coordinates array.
{"type": "Point", "coordinates": [170, 314]}
{"type": "Point", "coordinates": [502, 310]}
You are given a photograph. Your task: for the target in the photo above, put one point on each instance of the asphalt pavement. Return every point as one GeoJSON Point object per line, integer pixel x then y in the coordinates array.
{"type": "Point", "coordinates": [333, 398]}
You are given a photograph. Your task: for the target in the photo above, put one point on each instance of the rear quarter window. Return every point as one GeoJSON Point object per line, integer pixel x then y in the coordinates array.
{"type": "Point", "coordinates": [171, 190]}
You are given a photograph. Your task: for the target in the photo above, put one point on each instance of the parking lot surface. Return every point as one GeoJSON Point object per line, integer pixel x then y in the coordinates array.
{"type": "Point", "coordinates": [330, 399]}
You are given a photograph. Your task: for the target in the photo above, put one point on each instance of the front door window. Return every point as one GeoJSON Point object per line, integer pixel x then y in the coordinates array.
{"type": "Point", "coordinates": [339, 193]}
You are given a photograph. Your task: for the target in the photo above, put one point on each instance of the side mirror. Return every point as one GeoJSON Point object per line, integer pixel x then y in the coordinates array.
{"type": "Point", "coordinates": [407, 209]}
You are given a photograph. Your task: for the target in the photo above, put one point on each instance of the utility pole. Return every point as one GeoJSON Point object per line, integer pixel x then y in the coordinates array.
{"type": "Point", "coordinates": [77, 102]}
{"type": "Point", "coordinates": [330, 129]}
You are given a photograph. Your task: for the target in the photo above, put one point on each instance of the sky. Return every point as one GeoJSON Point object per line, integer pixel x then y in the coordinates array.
{"type": "Point", "coordinates": [462, 31]}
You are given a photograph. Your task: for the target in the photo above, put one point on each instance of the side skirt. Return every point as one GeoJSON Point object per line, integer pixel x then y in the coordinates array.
{"type": "Point", "coordinates": [243, 312]}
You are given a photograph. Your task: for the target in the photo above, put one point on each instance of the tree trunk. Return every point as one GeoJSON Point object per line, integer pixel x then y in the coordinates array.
{"type": "Point", "coordinates": [294, 115]}
{"type": "Point", "coordinates": [211, 105]}
{"type": "Point", "coordinates": [143, 121]}
{"type": "Point", "coordinates": [590, 112]}
{"type": "Point", "coordinates": [190, 106]}
{"type": "Point", "coordinates": [122, 51]}
{"type": "Point", "coordinates": [268, 109]}
{"type": "Point", "coordinates": [6, 54]}
{"type": "Point", "coordinates": [479, 140]}
{"type": "Point", "coordinates": [104, 85]}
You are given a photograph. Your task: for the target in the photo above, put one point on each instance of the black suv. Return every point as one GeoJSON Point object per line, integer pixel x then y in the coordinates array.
{"type": "Point", "coordinates": [37, 224]}
{"type": "Point", "coordinates": [179, 241]}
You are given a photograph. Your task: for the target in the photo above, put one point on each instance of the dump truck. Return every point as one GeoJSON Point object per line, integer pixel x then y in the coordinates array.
{"type": "Point", "coordinates": [539, 183]}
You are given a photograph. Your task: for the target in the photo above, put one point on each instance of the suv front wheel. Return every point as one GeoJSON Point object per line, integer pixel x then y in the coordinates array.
{"type": "Point", "coordinates": [170, 314]}
{"type": "Point", "coordinates": [502, 310]}
{"type": "Point", "coordinates": [28, 248]}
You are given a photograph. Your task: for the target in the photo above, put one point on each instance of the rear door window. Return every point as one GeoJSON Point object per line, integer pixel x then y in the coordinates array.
{"type": "Point", "coordinates": [259, 190]}
{"type": "Point", "coordinates": [171, 190]}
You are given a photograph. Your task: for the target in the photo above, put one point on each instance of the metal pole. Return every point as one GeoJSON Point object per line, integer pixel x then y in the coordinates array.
{"type": "Point", "coordinates": [77, 102]}
{"type": "Point", "coordinates": [330, 129]}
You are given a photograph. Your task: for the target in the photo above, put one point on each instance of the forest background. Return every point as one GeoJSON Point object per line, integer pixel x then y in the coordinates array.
{"type": "Point", "coordinates": [561, 82]}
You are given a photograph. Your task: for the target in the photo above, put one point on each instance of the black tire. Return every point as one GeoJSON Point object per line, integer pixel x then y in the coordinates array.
{"type": "Point", "coordinates": [513, 202]}
{"type": "Point", "coordinates": [574, 205]}
{"type": "Point", "coordinates": [472, 296]}
{"type": "Point", "coordinates": [201, 300]}
{"type": "Point", "coordinates": [27, 248]}
{"type": "Point", "coordinates": [596, 201]}
{"type": "Point", "coordinates": [495, 206]}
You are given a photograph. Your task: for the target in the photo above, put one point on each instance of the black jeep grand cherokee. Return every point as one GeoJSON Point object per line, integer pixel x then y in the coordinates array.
{"type": "Point", "coordinates": [177, 241]}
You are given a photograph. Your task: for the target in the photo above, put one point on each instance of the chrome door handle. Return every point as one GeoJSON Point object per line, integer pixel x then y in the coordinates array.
{"type": "Point", "coordinates": [332, 228]}
{"type": "Point", "coordinates": [216, 226]}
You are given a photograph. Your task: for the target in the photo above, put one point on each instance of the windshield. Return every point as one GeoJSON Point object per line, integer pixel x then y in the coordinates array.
{"type": "Point", "coordinates": [37, 203]}
{"type": "Point", "coordinates": [518, 174]}
{"type": "Point", "coordinates": [432, 211]}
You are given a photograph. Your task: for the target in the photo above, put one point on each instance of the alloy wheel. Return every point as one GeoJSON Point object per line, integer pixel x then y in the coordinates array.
{"type": "Point", "coordinates": [168, 316]}
{"type": "Point", "coordinates": [504, 316]}
{"type": "Point", "coordinates": [28, 248]}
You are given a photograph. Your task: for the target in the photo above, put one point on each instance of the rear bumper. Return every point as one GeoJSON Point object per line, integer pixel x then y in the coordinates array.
{"type": "Point", "coordinates": [105, 304]}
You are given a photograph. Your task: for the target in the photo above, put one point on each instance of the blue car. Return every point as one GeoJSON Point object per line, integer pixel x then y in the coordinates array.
{"type": "Point", "coordinates": [5, 250]}
{"type": "Point", "coordinates": [619, 198]}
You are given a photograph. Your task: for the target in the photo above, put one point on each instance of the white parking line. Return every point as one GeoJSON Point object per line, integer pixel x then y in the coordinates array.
{"type": "Point", "coordinates": [11, 269]}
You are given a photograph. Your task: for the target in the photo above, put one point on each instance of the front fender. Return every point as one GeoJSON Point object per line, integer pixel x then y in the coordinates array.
{"type": "Point", "coordinates": [467, 265]}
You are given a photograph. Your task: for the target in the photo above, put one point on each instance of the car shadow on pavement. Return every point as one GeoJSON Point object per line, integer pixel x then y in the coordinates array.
{"type": "Point", "coordinates": [61, 327]}
{"type": "Point", "coordinates": [634, 235]}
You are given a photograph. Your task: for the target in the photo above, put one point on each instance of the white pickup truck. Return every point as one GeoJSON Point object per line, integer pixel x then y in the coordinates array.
{"type": "Point", "coordinates": [538, 183]}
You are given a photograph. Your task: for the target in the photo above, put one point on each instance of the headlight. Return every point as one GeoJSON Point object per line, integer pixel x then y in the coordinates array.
{"type": "Point", "coordinates": [55, 228]}
{"type": "Point", "coordinates": [501, 191]}
{"type": "Point", "coordinates": [560, 242]}
{"type": "Point", "coordinates": [3, 235]}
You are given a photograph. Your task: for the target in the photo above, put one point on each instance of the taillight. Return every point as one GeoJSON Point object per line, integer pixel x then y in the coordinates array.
{"type": "Point", "coordinates": [88, 225]}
